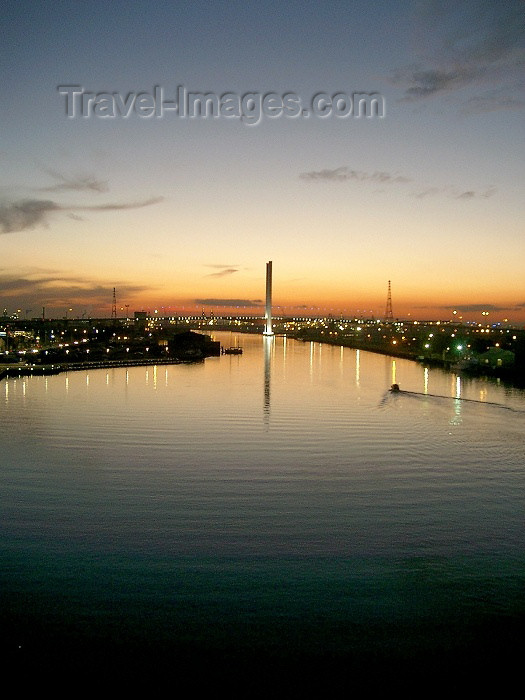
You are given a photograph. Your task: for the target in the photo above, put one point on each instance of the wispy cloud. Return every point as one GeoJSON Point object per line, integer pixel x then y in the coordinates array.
{"type": "Point", "coordinates": [53, 289]}
{"type": "Point", "coordinates": [455, 193]}
{"type": "Point", "coordinates": [75, 183]}
{"type": "Point", "coordinates": [493, 101]}
{"type": "Point", "coordinates": [223, 273]}
{"type": "Point", "coordinates": [118, 206]}
{"type": "Point", "coordinates": [474, 308]}
{"type": "Point", "coordinates": [220, 267]}
{"type": "Point", "coordinates": [424, 83]}
{"type": "Point", "coordinates": [28, 213]}
{"type": "Point", "coordinates": [250, 303]}
{"type": "Point", "coordinates": [476, 44]}
{"type": "Point", "coordinates": [344, 174]}
{"type": "Point", "coordinates": [224, 270]}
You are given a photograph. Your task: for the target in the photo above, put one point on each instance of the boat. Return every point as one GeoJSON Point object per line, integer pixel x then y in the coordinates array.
{"type": "Point", "coordinates": [231, 351]}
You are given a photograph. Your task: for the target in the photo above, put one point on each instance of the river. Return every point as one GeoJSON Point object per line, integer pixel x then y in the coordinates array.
{"type": "Point", "coordinates": [272, 515]}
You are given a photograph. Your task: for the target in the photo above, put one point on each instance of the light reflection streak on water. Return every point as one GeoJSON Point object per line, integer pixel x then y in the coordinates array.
{"type": "Point", "coordinates": [357, 366]}
{"type": "Point", "coordinates": [425, 380]}
{"type": "Point", "coordinates": [456, 419]}
{"type": "Point", "coordinates": [268, 343]}
{"type": "Point", "coordinates": [285, 353]}
{"type": "Point", "coordinates": [393, 371]}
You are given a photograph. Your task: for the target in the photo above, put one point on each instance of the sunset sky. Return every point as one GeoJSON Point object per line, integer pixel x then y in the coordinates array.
{"type": "Point", "coordinates": [182, 213]}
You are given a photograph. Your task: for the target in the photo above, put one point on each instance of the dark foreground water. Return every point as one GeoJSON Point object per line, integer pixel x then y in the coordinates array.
{"type": "Point", "coordinates": [274, 521]}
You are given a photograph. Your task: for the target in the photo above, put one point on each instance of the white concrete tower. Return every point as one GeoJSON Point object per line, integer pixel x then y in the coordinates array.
{"type": "Point", "coordinates": [268, 328]}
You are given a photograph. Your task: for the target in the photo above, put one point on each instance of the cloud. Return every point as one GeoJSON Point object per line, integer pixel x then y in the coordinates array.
{"type": "Point", "coordinates": [493, 101]}
{"type": "Point", "coordinates": [477, 44]}
{"type": "Point", "coordinates": [250, 303]}
{"type": "Point", "coordinates": [119, 207]}
{"type": "Point", "coordinates": [25, 214]}
{"type": "Point", "coordinates": [428, 82]}
{"type": "Point", "coordinates": [52, 289]}
{"type": "Point", "coordinates": [476, 307]}
{"type": "Point", "coordinates": [223, 273]}
{"type": "Point", "coordinates": [455, 193]}
{"type": "Point", "coordinates": [28, 213]}
{"type": "Point", "coordinates": [220, 267]}
{"type": "Point", "coordinates": [344, 174]}
{"type": "Point", "coordinates": [76, 183]}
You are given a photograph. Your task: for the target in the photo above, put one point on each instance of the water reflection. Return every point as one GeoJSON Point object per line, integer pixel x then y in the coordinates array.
{"type": "Point", "coordinates": [176, 503]}
{"type": "Point", "coordinates": [268, 344]}
{"type": "Point", "coordinates": [456, 418]}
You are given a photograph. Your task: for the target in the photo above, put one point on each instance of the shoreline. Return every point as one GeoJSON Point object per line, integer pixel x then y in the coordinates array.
{"type": "Point", "coordinates": [19, 370]}
{"type": "Point", "coordinates": [509, 375]}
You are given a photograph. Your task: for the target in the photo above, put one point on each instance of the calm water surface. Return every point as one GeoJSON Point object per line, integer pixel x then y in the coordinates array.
{"type": "Point", "coordinates": [278, 509]}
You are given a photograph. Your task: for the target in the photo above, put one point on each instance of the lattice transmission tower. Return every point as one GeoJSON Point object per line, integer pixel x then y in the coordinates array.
{"type": "Point", "coordinates": [389, 314]}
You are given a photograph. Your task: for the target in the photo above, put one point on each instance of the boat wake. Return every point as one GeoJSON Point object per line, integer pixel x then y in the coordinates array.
{"type": "Point", "coordinates": [395, 390]}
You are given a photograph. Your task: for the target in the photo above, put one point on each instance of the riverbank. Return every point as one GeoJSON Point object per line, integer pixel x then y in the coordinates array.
{"type": "Point", "coordinates": [24, 370]}
{"type": "Point", "coordinates": [509, 374]}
